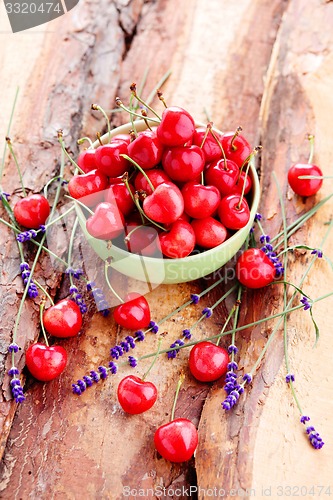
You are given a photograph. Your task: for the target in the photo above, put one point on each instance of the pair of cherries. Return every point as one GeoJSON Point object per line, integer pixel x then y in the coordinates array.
{"type": "Point", "coordinates": [62, 320]}
{"type": "Point", "coordinates": [172, 159]}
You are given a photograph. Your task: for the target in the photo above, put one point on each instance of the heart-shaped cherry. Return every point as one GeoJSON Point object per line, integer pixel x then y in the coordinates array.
{"type": "Point", "coordinates": [155, 176]}
{"type": "Point", "coordinates": [136, 395]}
{"type": "Point", "coordinates": [200, 201]}
{"type": "Point", "coordinates": [182, 163]}
{"type": "Point", "coordinates": [64, 319]}
{"type": "Point", "coordinates": [209, 232]}
{"type": "Point", "coordinates": [304, 187]}
{"type": "Point", "coordinates": [106, 223]}
{"type": "Point", "coordinates": [146, 150]}
{"type": "Point", "coordinates": [87, 160]}
{"type": "Point", "coordinates": [176, 128]}
{"type": "Point", "coordinates": [165, 204]}
{"type": "Point", "coordinates": [32, 211]}
{"type": "Point", "coordinates": [234, 212]}
{"type": "Point", "coordinates": [223, 175]}
{"type": "Point", "coordinates": [109, 158]}
{"type": "Point", "coordinates": [119, 193]}
{"type": "Point", "coordinates": [208, 362]}
{"type": "Point", "coordinates": [238, 187]}
{"type": "Point", "coordinates": [210, 149]}
{"type": "Point", "coordinates": [44, 362]}
{"type": "Point", "coordinates": [236, 147]}
{"type": "Point", "coordinates": [179, 241]}
{"type": "Point", "coordinates": [177, 440]}
{"type": "Point", "coordinates": [90, 186]}
{"type": "Point", "coordinates": [134, 313]}
{"type": "Point", "coordinates": [254, 269]}
{"type": "Point", "coordinates": [142, 240]}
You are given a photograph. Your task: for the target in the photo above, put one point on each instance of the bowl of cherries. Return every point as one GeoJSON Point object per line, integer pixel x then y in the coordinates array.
{"type": "Point", "coordinates": [167, 200]}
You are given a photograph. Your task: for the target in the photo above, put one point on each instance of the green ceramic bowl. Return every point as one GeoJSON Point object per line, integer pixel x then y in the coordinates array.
{"type": "Point", "coordinates": [159, 270]}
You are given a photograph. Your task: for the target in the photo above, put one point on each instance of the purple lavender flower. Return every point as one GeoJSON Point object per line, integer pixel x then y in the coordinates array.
{"type": "Point", "coordinates": [153, 326]}
{"type": "Point", "coordinates": [77, 297]}
{"type": "Point", "coordinates": [15, 385]}
{"type": "Point", "coordinates": [252, 230]}
{"type": "Point", "coordinates": [264, 238]}
{"type": "Point", "coordinates": [25, 273]}
{"type": "Point", "coordinates": [232, 349]}
{"type": "Point", "coordinates": [26, 235]}
{"type": "Point", "coordinates": [314, 436]}
{"type": "Point", "coordinates": [130, 341]}
{"type": "Point", "coordinates": [257, 217]}
{"type": "Point", "coordinates": [139, 336]}
{"type": "Point", "coordinates": [318, 252]}
{"type": "Point", "coordinates": [195, 298]}
{"type": "Point", "coordinates": [4, 195]}
{"type": "Point", "coordinates": [306, 303]}
{"type": "Point", "coordinates": [76, 273]}
{"type": "Point", "coordinates": [13, 347]}
{"type": "Point", "coordinates": [247, 377]}
{"type": "Point", "coordinates": [172, 354]}
{"type": "Point", "coordinates": [187, 334]}
{"type": "Point", "coordinates": [207, 311]}
{"type": "Point", "coordinates": [99, 297]}
{"type": "Point", "coordinates": [113, 367]}
{"type": "Point", "coordinates": [231, 400]}
{"type": "Point", "coordinates": [231, 377]}
{"type": "Point", "coordinates": [290, 377]}
{"type": "Point", "coordinates": [132, 361]}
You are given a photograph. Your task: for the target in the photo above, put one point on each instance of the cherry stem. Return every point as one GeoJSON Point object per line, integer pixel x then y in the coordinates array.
{"type": "Point", "coordinates": [106, 273]}
{"type": "Point", "coordinates": [218, 142]}
{"type": "Point", "coordinates": [232, 311]}
{"type": "Point", "coordinates": [63, 147]}
{"type": "Point", "coordinates": [70, 248]}
{"type": "Point", "coordinates": [121, 105]}
{"type": "Point", "coordinates": [140, 170]}
{"type": "Point", "coordinates": [161, 97]}
{"type": "Point", "coordinates": [41, 310]}
{"type": "Point", "coordinates": [144, 114]}
{"type": "Point", "coordinates": [131, 107]}
{"type": "Point", "coordinates": [80, 203]}
{"type": "Point", "coordinates": [10, 147]}
{"type": "Point", "coordinates": [47, 185]}
{"type": "Point", "coordinates": [180, 382]}
{"type": "Point", "coordinates": [134, 93]}
{"type": "Point", "coordinates": [83, 139]}
{"type": "Point", "coordinates": [98, 135]}
{"type": "Point", "coordinates": [248, 161]}
{"type": "Point", "coordinates": [154, 360]}
{"type": "Point", "coordinates": [311, 140]}
{"type": "Point", "coordinates": [97, 107]}
{"type": "Point", "coordinates": [136, 197]}
{"type": "Point", "coordinates": [160, 84]}
{"type": "Point", "coordinates": [236, 134]}
{"type": "Point", "coordinates": [44, 292]}
{"type": "Point", "coordinates": [128, 236]}
{"type": "Point", "coordinates": [8, 133]}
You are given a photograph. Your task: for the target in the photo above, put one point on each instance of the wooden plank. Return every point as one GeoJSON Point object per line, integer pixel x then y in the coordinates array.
{"type": "Point", "coordinates": [220, 69]}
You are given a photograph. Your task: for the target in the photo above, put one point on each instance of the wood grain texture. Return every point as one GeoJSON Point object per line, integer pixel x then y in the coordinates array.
{"type": "Point", "coordinates": [220, 52]}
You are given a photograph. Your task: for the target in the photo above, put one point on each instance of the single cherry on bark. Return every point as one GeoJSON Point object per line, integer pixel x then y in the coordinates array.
{"type": "Point", "coordinates": [254, 269]}
{"type": "Point", "coordinates": [177, 440]}
{"type": "Point", "coordinates": [306, 186]}
{"type": "Point", "coordinates": [63, 319]}
{"type": "Point", "coordinates": [208, 361]}
{"type": "Point", "coordinates": [89, 186]}
{"type": "Point", "coordinates": [134, 313]}
{"type": "Point", "coordinates": [32, 211]}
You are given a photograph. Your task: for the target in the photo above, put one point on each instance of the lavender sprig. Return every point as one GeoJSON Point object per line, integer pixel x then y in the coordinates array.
{"type": "Point", "coordinates": [314, 437]}
{"type": "Point", "coordinates": [99, 297]}
{"type": "Point", "coordinates": [15, 385]}
{"type": "Point", "coordinates": [25, 273]}
{"type": "Point", "coordinates": [76, 273]}
{"type": "Point", "coordinates": [306, 303]}
{"type": "Point", "coordinates": [94, 376]}
{"type": "Point", "coordinates": [77, 297]}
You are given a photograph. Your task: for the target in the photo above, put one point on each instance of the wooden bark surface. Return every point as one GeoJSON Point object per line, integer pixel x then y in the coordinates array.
{"type": "Point", "coordinates": [264, 64]}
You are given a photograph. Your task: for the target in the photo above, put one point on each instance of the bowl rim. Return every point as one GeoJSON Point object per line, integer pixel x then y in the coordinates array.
{"type": "Point", "coordinates": [141, 125]}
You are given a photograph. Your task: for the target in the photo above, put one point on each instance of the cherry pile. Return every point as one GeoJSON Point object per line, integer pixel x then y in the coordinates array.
{"type": "Point", "coordinates": [169, 189]}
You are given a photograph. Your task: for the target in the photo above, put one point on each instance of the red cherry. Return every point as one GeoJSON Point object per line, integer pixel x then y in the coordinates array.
{"type": "Point", "coordinates": [136, 395]}
{"type": "Point", "coordinates": [106, 223]}
{"type": "Point", "coordinates": [90, 186]}
{"type": "Point", "coordinates": [232, 213]}
{"type": "Point", "coordinates": [165, 204]}
{"type": "Point", "coordinates": [210, 149]}
{"type": "Point", "coordinates": [134, 313]}
{"type": "Point", "coordinates": [254, 269]}
{"type": "Point", "coordinates": [87, 160]}
{"type": "Point", "coordinates": [179, 241]}
{"type": "Point", "coordinates": [208, 362]}
{"type": "Point", "coordinates": [64, 319]}
{"type": "Point", "coordinates": [32, 211]}
{"type": "Point", "coordinates": [146, 150]}
{"type": "Point", "coordinates": [239, 150]}
{"type": "Point", "coordinates": [304, 187]}
{"type": "Point", "coordinates": [209, 232]}
{"type": "Point", "coordinates": [156, 177]}
{"type": "Point", "coordinates": [176, 128]}
{"type": "Point", "coordinates": [222, 175]}
{"type": "Point", "coordinates": [118, 192]}
{"type": "Point", "coordinates": [122, 137]}
{"type": "Point", "coordinates": [45, 363]}
{"type": "Point", "coordinates": [183, 164]}
{"type": "Point", "coordinates": [176, 441]}
{"type": "Point", "coordinates": [200, 201]}
{"type": "Point", "coordinates": [143, 241]}
{"type": "Point", "coordinates": [238, 187]}
{"type": "Point", "coordinates": [109, 159]}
